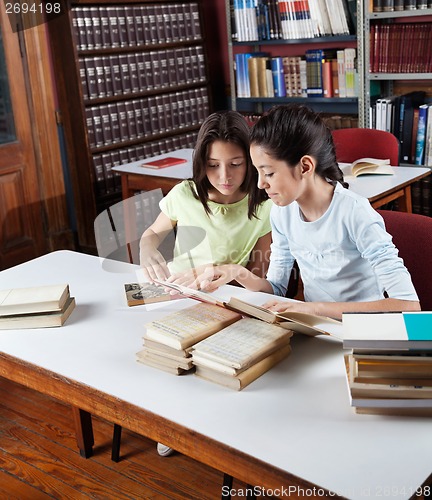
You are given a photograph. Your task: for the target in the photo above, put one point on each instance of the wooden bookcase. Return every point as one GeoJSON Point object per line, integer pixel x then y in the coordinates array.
{"type": "Point", "coordinates": [132, 82]}
{"type": "Point", "coordinates": [286, 47]}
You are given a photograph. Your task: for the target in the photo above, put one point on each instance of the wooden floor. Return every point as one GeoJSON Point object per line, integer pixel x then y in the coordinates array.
{"type": "Point", "coordinates": [39, 458]}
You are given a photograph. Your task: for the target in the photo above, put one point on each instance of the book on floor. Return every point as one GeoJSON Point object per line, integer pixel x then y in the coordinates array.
{"type": "Point", "coordinates": [308, 324]}
{"type": "Point", "coordinates": [367, 166]}
{"type": "Point", "coordinates": [40, 319]}
{"type": "Point", "coordinates": [35, 299]}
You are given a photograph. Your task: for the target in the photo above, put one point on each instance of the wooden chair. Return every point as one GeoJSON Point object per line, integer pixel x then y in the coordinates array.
{"type": "Point", "coordinates": [354, 143]}
{"type": "Point", "coordinates": [412, 235]}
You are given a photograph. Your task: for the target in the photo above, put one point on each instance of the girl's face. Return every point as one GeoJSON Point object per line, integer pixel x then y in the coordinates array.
{"type": "Point", "coordinates": [226, 170]}
{"type": "Point", "coordinates": [282, 183]}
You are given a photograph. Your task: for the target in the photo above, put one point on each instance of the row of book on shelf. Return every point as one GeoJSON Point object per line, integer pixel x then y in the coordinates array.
{"type": "Point", "coordinates": [98, 27]}
{"type": "Point", "coordinates": [35, 307]}
{"type": "Point", "coordinates": [114, 75]}
{"type": "Point", "coordinates": [334, 122]}
{"type": "Point", "coordinates": [320, 73]}
{"type": "Point", "coordinates": [108, 181]}
{"type": "Point", "coordinates": [409, 118]}
{"type": "Point", "coordinates": [401, 48]}
{"type": "Point", "coordinates": [299, 19]}
{"type": "Point", "coordinates": [400, 5]}
{"type": "Point", "coordinates": [131, 119]}
{"type": "Point", "coordinates": [388, 360]}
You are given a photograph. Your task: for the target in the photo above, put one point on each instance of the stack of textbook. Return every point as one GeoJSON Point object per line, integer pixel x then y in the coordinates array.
{"type": "Point", "coordinates": [35, 307]}
{"type": "Point", "coordinates": [389, 368]}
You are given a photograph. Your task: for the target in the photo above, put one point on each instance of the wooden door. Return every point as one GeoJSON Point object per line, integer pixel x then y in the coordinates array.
{"type": "Point", "coordinates": [21, 225]}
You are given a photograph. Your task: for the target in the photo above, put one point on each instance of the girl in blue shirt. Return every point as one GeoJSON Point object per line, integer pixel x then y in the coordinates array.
{"type": "Point", "coordinates": [346, 258]}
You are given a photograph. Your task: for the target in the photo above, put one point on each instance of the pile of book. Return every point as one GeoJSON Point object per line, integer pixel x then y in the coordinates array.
{"type": "Point", "coordinates": [35, 307]}
{"type": "Point", "coordinates": [389, 368]}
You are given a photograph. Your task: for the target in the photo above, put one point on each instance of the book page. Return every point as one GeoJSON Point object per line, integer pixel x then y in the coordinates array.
{"type": "Point", "coordinates": [241, 343]}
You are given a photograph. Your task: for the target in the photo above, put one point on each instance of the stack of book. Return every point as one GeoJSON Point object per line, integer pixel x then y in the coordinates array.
{"type": "Point", "coordinates": [168, 341]}
{"type": "Point", "coordinates": [240, 353]}
{"type": "Point", "coordinates": [389, 368]}
{"type": "Point", "coordinates": [35, 307]}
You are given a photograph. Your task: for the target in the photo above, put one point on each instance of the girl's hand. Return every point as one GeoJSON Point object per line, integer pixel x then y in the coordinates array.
{"type": "Point", "coordinates": [153, 264]}
{"type": "Point", "coordinates": [295, 306]}
{"type": "Point", "coordinates": [208, 278]}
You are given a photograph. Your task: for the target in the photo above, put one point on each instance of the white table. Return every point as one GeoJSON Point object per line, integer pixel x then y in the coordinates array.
{"type": "Point", "coordinates": [291, 427]}
{"type": "Point", "coordinates": [379, 189]}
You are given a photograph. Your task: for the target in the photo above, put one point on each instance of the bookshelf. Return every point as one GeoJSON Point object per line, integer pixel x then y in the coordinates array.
{"type": "Point", "coordinates": [303, 41]}
{"type": "Point", "coordinates": [412, 77]}
{"type": "Point", "coordinates": [132, 82]}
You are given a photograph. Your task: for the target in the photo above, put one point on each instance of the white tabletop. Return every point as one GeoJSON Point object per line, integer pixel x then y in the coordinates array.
{"type": "Point", "coordinates": [296, 417]}
{"type": "Point", "coordinates": [369, 186]}
{"type": "Point", "coordinates": [180, 171]}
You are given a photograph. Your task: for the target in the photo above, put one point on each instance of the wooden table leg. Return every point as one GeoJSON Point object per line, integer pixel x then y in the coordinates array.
{"type": "Point", "coordinates": [83, 431]}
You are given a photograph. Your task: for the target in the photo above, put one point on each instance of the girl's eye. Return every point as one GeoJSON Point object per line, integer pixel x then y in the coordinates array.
{"type": "Point", "coordinates": [268, 175]}
{"type": "Point", "coordinates": [235, 164]}
{"type": "Point", "coordinates": [211, 165]}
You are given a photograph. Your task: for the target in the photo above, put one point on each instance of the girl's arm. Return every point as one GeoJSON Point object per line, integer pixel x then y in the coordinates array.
{"type": "Point", "coordinates": [335, 309]}
{"type": "Point", "coordinates": [260, 256]}
{"type": "Point", "coordinates": [151, 260]}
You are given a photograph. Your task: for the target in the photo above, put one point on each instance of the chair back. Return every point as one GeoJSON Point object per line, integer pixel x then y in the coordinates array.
{"type": "Point", "coordinates": [412, 235]}
{"type": "Point", "coordinates": [354, 143]}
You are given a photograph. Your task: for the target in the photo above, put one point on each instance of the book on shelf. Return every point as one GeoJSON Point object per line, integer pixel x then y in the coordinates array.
{"type": "Point", "coordinates": [45, 319]}
{"type": "Point", "coordinates": [393, 330]}
{"type": "Point", "coordinates": [308, 324]}
{"type": "Point", "coordinates": [169, 161]}
{"type": "Point", "coordinates": [246, 377]}
{"type": "Point", "coordinates": [36, 299]}
{"type": "Point", "coordinates": [146, 293]}
{"type": "Point", "coordinates": [368, 166]}
{"type": "Point", "coordinates": [420, 140]}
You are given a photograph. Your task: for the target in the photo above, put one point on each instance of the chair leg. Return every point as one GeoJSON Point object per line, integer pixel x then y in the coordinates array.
{"type": "Point", "coordinates": [227, 482]}
{"type": "Point", "coordinates": [115, 450]}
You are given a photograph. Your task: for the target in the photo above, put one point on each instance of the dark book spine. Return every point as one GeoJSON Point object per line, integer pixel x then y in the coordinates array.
{"type": "Point", "coordinates": [139, 27]}
{"type": "Point", "coordinates": [107, 167]}
{"type": "Point", "coordinates": [106, 125]}
{"type": "Point", "coordinates": [138, 117]}
{"type": "Point", "coordinates": [155, 68]}
{"type": "Point", "coordinates": [146, 117]}
{"type": "Point", "coordinates": [132, 154]}
{"type": "Point", "coordinates": [187, 15]}
{"type": "Point", "coordinates": [125, 74]}
{"type": "Point", "coordinates": [90, 69]}
{"type": "Point", "coordinates": [145, 14]}
{"type": "Point", "coordinates": [115, 161]}
{"type": "Point", "coordinates": [187, 65]}
{"type": "Point", "coordinates": [167, 111]}
{"type": "Point", "coordinates": [152, 24]}
{"type": "Point", "coordinates": [181, 110]}
{"type": "Point", "coordinates": [113, 27]}
{"type": "Point", "coordinates": [174, 110]}
{"type": "Point", "coordinates": [195, 21]}
{"type": "Point", "coordinates": [133, 71]}
{"type": "Point", "coordinates": [172, 12]}
{"type": "Point", "coordinates": [161, 126]}
{"type": "Point", "coordinates": [182, 33]}
{"type": "Point", "coordinates": [149, 71]}
{"type": "Point", "coordinates": [124, 158]}
{"type": "Point", "coordinates": [165, 18]}
{"type": "Point", "coordinates": [88, 29]}
{"type": "Point", "coordinates": [194, 64]}
{"type": "Point", "coordinates": [410, 4]}
{"type": "Point", "coordinates": [181, 73]}
{"type": "Point", "coordinates": [100, 77]}
{"type": "Point", "coordinates": [164, 74]}
{"type": "Point", "coordinates": [115, 124]}
{"type": "Point", "coordinates": [105, 27]}
{"type": "Point", "coordinates": [81, 37]}
{"type": "Point", "coordinates": [123, 121]}
{"type": "Point", "coordinates": [130, 114]}
{"type": "Point", "coordinates": [188, 109]}
{"type": "Point", "coordinates": [90, 127]}
{"type": "Point", "coordinates": [97, 126]}
{"type": "Point", "coordinates": [201, 63]}
{"type": "Point", "coordinates": [107, 74]}
{"type": "Point", "coordinates": [154, 121]}
{"type": "Point", "coordinates": [96, 27]}
{"type": "Point", "coordinates": [76, 13]}
{"type": "Point", "coordinates": [172, 67]}
{"type": "Point", "coordinates": [116, 75]}
{"type": "Point", "coordinates": [83, 78]}
{"type": "Point", "coordinates": [122, 28]}
{"type": "Point", "coordinates": [99, 174]}
{"type": "Point", "coordinates": [194, 107]}
{"type": "Point", "coordinates": [141, 71]}
{"type": "Point", "coordinates": [130, 26]}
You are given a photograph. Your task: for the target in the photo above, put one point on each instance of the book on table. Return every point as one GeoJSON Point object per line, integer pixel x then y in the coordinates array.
{"type": "Point", "coordinates": [44, 319]}
{"type": "Point", "coordinates": [35, 299]}
{"type": "Point", "coordinates": [308, 324]}
{"type": "Point", "coordinates": [169, 161]}
{"type": "Point", "coordinates": [367, 166]}
{"type": "Point", "coordinates": [146, 293]}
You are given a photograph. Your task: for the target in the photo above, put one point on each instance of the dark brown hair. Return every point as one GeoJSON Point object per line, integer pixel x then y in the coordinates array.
{"type": "Point", "coordinates": [227, 126]}
{"type": "Point", "coordinates": [289, 132]}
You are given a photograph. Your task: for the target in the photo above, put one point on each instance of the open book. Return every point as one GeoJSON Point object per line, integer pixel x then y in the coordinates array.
{"type": "Point", "coordinates": [308, 324]}
{"type": "Point", "coordinates": [366, 166]}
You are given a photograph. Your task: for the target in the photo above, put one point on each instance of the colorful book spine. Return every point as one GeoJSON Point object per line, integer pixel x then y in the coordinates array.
{"type": "Point", "coordinates": [421, 134]}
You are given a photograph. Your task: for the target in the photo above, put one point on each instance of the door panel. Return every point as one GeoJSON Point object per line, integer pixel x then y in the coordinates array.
{"type": "Point", "coordinates": [21, 224]}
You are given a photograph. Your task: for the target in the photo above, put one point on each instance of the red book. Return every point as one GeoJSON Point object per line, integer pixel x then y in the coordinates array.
{"type": "Point", "coordinates": [169, 161]}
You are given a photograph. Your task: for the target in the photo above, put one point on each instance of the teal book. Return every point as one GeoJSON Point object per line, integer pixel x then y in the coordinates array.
{"type": "Point", "coordinates": [421, 134]}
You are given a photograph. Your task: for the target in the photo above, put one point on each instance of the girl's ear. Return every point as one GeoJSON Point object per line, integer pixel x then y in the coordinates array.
{"type": "Point", "coordinates": [307, 164]}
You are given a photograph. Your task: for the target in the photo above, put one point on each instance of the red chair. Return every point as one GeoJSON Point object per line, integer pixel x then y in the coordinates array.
{"type": "Point", "coordinates": [412, 235]}
{"type": "Point", "coordinates": [354, 143]}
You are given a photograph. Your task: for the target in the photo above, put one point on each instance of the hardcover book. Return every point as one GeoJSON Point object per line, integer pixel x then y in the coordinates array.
{"type": "Point", "coordinates": [169, 161]}
{"type": "Point", "coordinates": [33, 299]}
{"type": "Point", "coordinates": [146, 293]}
